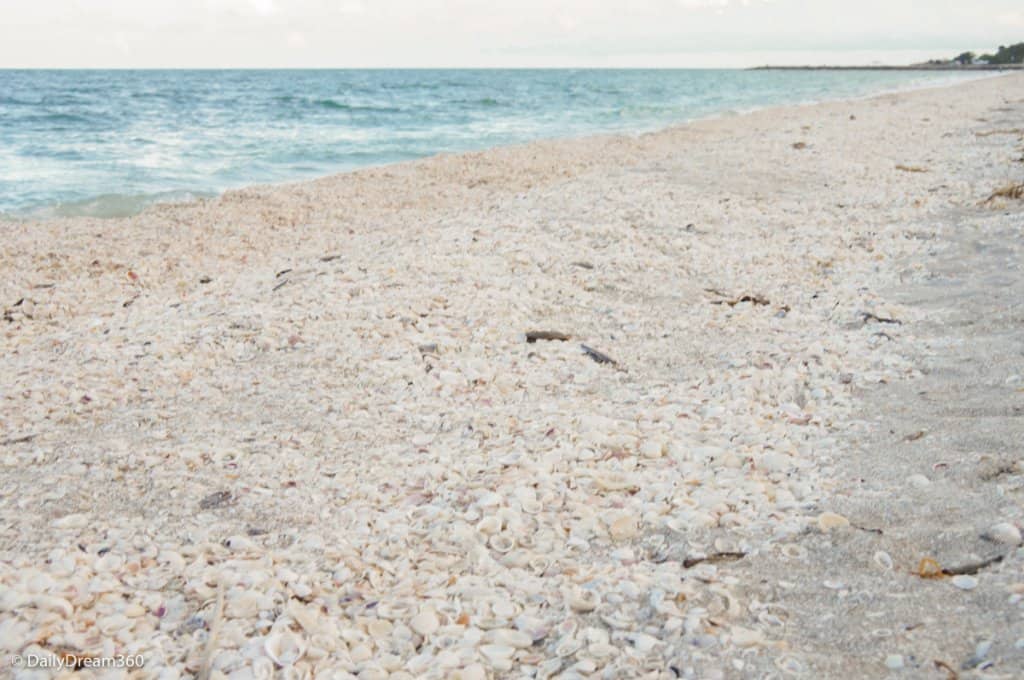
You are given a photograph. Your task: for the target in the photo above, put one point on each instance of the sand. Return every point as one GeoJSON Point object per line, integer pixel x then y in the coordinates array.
{"type": "Point", "coordinates": [299, 431]}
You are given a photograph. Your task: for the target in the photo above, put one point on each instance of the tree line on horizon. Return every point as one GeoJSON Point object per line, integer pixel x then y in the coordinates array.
{"type": "Point", "coordinates": [1014, 54]}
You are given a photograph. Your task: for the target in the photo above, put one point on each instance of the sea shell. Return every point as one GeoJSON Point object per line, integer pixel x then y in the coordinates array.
{"type": "Point", "coordinates": [284, 648]}
{"type": "Point", "coordinates": [965, 582]}
{"type": "Point", "coordinates": [394, 610]}
{"type": "Point", "coordinates": [625, 527]}
{"type": "Point", "coordinates": [425, 623]}
{"type": "Point", "coordinates": [509, 637]}
{"type": "Point", "coordinates": [827, 521]}
{"type": "Point", "coordinates": [568, 646]}
{"type": "Point", "coordinates": [1005, 533]}
{"type": "Point", "coordinates": [498, 657]}
{"type": "Point", "coordinates": [489, 525]}
{"type": "Point", "coordinates": [502, 543]}
{"type": "Point", "coordinates": [584, 600]}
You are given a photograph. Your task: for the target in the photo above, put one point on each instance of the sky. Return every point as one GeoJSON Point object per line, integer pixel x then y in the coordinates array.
{"type": "Point", "coordinates": [495, 33]}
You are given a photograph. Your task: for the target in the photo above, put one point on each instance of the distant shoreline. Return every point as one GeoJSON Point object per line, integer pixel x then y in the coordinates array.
{"type": "Point", "coordinates": [912, 67]}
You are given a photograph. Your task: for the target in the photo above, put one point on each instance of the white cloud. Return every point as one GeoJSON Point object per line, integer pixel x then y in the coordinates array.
{"type": "Point", "coordinates": [266, 33]}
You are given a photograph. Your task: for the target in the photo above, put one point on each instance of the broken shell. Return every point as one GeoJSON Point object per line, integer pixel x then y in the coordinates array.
{"type": "Point", "coordinates": [425, 623]}
{"type": "Point", "coordinates": [489, 525]}
{"type": "Point", "coordinates": [624, 528]}
{"type": "Point", "coordinates": [498, 656]}
{"type": "Point", "coordinates": [794, 551]}
{"type": "Point", "coordinates": [568, 646]}
{"type": "Point", "coordinates": [827, 521]}
{"type": "Point", "coordinates": [510, 638]}
{"type": "Point", "coordinates": [883, 560]}
{"type": "Point", "coordinates": [284, 648]}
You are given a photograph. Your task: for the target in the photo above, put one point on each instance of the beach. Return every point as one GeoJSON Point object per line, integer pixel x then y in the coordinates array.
{"type": "Point", "coordinates": [302, 430]}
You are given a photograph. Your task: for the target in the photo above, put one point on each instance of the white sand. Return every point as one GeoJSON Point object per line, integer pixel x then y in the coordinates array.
{"type": "Point", "coordinates": [338, 456]}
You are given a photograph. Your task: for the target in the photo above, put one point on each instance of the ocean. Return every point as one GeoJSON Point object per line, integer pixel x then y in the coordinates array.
{"type": "Point", "coordinates": [110, 143]}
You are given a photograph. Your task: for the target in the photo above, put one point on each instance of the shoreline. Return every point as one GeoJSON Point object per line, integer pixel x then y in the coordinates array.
{"type": "Point", "coordinates": [39, 213]}
{"type": "Point", "coordinates": [911, 67]}
{"type": "Point", "coordinates": [301, 425]}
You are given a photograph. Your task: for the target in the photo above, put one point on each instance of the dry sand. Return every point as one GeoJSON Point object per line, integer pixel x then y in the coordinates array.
{"type": "Point", "coordinates": [298, 431]}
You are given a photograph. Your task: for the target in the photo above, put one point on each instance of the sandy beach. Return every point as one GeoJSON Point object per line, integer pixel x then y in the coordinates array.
{"type": "Point", "coordinates": [301, 431]}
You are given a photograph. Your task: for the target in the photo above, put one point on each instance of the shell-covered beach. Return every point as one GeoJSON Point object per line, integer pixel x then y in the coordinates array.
{"type": "Point", "coordinates": [307, 431]}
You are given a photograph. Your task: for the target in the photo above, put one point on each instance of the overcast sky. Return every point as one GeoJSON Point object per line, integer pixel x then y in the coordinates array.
{"type": "Point", "coordinates": [463, 33]}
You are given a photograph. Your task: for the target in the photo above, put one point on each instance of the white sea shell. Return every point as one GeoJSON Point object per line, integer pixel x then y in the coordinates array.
{"type": "Point", "coordinates": [379, 629]}
{"type": "Point", "coordinates": [746, 637]}
{"type": "Point", "coordinates": [471, 672]}
{"type": "Point", "coordinates": [827, 521]}
{"type": "Point", "coordinates": [883, 560]}
{"type": "Point", "coordinates": [624, 528]}
{"type": "Point", "coordinates": [509, 637]}
{"type": "Point", "coordinates": [502, 543]}
{"type": "Point", "coordinates": [568, 646]}
{"type": "Point", "coordinates": [425, 623]}
{"type": "Point", "coordinates": [498, 657]}
{"type": "Point", "coordinates": [75, 521]}
{"type": "Point", "coordinates": [489, 525]}
{"type": "Point", "coordinates": [965, 582]}
{"type": "Point", "coordinates": [1005, 533]}
{"type": "Point", "coordinates": [284, 648]}
{"type": "Point", "coordinates": [584, 600]}
{"type": "Point", "coordinates": [395, 609]}
{"type": "Point", "coordinates": [53, 604]}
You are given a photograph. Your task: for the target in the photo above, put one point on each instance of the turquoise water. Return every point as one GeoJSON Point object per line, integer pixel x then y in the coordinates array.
{"type": "Point", "coordinates": [111, 142]}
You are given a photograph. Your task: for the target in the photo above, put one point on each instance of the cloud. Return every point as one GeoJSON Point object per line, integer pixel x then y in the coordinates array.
{"type": "Point", "coordinates": [351, 7]}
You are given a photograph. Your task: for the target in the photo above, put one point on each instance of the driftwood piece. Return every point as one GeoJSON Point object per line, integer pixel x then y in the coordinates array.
{"type": "Point", "coordinates": [534, 336]}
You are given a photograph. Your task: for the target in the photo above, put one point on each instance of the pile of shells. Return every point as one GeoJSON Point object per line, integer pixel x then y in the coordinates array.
{"type": "Point", "coordinates": [298, 432]}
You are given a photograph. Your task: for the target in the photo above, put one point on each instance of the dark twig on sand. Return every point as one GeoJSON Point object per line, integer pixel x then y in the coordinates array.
{"type": "Point", "coordinates": [18, 440]}
{"type": "Point", "coordinates": [733, 301]}
{"type": "Point", "coordinates": [868, 316]}
{"type": "Point", "coordinates": [714, 558]}
{"type": "Point", "coordinates": [534, 336]}
{"type": "Point", "coordinates": [599, 357]}
{"type": "Point", "coordinates": [972, 568]}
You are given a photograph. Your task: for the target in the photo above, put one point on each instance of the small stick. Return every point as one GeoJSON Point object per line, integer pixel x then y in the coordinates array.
{"type": "Point", "coordinates": [974, 567]}
{"type": "Point", "coordinates": [714, 558]}
{"type": "Point", "coordinates": [599, 357]}
{"type": "Point", "coordinates": [534, 336]}
{"type": "Point", "coordinates": [18, 440]}
{"type": "Point", "coordinates": [868, 316]}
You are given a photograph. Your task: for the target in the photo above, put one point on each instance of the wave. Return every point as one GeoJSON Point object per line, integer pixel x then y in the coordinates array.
{"type": "Point", "coordinates": [335, 105]}
{"type": "Point", "coordinates": [113, 205]}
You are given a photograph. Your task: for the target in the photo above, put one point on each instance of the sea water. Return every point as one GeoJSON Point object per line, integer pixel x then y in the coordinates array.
{"type": "Point", "coordinates": [108, 143]}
